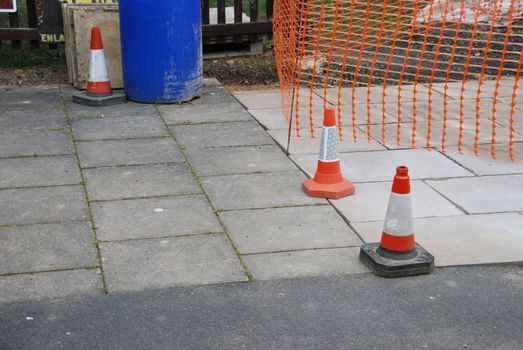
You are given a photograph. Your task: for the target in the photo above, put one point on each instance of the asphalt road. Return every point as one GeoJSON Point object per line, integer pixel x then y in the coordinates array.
{"type": "Point", "coordinates": [454, 308]}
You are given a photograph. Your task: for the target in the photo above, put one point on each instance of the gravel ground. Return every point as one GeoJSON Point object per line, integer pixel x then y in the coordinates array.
{"type": "Point", "coordinates": [426, 54]}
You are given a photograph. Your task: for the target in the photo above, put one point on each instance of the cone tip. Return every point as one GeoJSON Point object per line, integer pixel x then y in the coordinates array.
{"type": "Point", "coordinates": [329, 117]}
{"type": "Point", "coordinates": [96, 39]}
{"type": "Point", "coordinates": [402, 170]}
{"type": "Point", "coordinates": [401, 183]}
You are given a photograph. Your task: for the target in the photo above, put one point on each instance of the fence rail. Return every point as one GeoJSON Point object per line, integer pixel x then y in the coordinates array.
{"type": "Point", "coordinates": [16, 34]}
{"type": "Point", "coordinates": [246, 22]}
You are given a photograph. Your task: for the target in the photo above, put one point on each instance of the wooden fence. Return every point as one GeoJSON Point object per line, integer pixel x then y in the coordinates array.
{"type": "Point", "coordinates": [16, 34]}
{"type": "Point", "coordinates": [219, 31]}
{"type": "Point", "coordinates": [223, 28]}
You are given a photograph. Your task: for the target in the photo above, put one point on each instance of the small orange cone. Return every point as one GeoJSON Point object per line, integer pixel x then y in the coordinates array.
{"type": "Point", "coordinates": [99, 91]}
{"type": "Point", "coordinates": [328, 182]}
{"type": "Point", "coordinates": [397, 254]}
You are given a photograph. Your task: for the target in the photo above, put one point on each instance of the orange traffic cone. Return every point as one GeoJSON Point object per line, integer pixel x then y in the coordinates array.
{"type": "Point", "coordinates": [99, 91]}
{"type": "Point", "coordinates": [397, 254]}
{"type": "Point", "coordinates": [328, 182]}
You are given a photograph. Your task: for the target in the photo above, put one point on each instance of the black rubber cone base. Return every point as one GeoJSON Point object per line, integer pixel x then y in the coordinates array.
{"type": "Point", "coordinates": [99, 101]}
{"type": "Point", "coordinates": [391, 266]}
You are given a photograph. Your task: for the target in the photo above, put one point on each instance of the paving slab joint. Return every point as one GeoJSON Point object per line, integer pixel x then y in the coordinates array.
{"type": "Point", "coordinates": [86, 267]}
{"type": "Point", "coordinates": [459, 207]}
{"type": "Point", "coordinates": [213, 208]}
{"type": "Point", "coordinates": [105, 289]}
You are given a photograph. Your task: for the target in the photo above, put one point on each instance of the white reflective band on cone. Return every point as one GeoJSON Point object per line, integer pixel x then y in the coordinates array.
{"type": "Point", "coordinates": [399, 216]}
{"type": "Point", "coordinates": [97, 67]}
{"type": "Point", "coordinates": [329, 145]}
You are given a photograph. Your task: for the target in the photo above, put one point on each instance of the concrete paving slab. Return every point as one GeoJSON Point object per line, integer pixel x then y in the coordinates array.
{"type": "Point", "coordinates": [506, 88]}
{"type": "Point", "coordinates": [127, 109]}
{"type": "Point", "coordinates": [46, 286]}
{"type": "Point", "coordinates": [281, 229]}
{"type": "Point", "coordinates": [319, 262]}
{"type": "Point", "coordinates": [435, 135]}
{"type": "Point", "coordinates": [486, 194]}
{"type": "Point", "coordinates": [42, 205]}
{"type": "Point", "coordinates": [453, 110]}
{"type": "Point", "coordinates": [28, 120]}
{"type": "Point", "coordinates": [38, 171]}
{"type": "Point", "coordinates": [307, 145]}
{"type": "Point", "coordinates": [128, 152]}
{"type": "Point", "coordinates": [35, 143]}
{"type": "Point", "coordinates": [507, 116]}
{"type": "Point", "coordinates": [154, 217]}
{"type": "Point", "coordinates": [181, 261]}
{"type": "Point", "coordinates": [517, 125]}
{"type": "Point", "coordinates": [518, 101]}
{"type": "Point", "coordinates": [220, 135]}
{"type": "Point", "coordinates": [376, 94]}
{"type": "Point", "coordinates": [371, 200]}
{"type": "Point", "coordinates": [270, 99]}
{"type": "Point", "coordinates": [257, 191]}
{"type": "Point", "coordinates": [238, 160]}
{"type": "Point", "coordinates": [212, 95]}
{"type": "Point", "coordinates": [35, 98]}
{"type": "Point", "coordinates": [463, 240]}
{"type": "Point", "coordinates": [259, 99]}
{"type": "Point", "coordinates": [202, 113]}
{"type": "Point", "coordinates": [119, 128]}
{"type": "Point", "coordinates": [484, 164]}
{"type": "Point", "coordinates": [274, 118]}
{"type": "Point", "coordinates": [34, 248]}
{"type": "Point", "coordinates": [381, 165]}
{"type": "Point", "coordinates": [359, 114]}
{"type": "Point", "coordinates": [271, 118]}
{"type": "Point", "coordinates": [140, 181]}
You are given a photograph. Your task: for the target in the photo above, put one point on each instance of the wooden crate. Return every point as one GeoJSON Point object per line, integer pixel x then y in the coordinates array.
{"type": "Point", "coordinates": [78, 21]}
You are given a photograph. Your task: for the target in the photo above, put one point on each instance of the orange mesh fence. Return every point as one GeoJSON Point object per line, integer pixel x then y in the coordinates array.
{"type": "Point", "coordinates": [409, 73]}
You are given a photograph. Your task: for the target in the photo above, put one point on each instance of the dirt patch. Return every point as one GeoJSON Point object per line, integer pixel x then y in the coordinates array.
{"type": "Point", "coordinates": [33, 76]}
{"type": "Point", "coordinates": [244, 73]}
{"type": "Point", "coordinates": [255, 72]}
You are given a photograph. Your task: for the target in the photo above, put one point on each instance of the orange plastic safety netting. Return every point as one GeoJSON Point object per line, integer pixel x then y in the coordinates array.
{"type": "Point", "coordinates": [410, 73]}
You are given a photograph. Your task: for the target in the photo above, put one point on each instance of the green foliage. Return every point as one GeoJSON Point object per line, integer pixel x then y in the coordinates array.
{"type": "Point", "coordinates": [26, 58]}
{"type": "Point", "coordinates": [22, 15]}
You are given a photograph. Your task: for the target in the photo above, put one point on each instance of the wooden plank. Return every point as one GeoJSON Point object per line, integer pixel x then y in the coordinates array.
{"type": "Point", "coordinates": [14, 23]}
{"type": "Point", "coordinates": [18, 34]}
{"type": "Point", "coordinates": [221, 11]}
{"type": "Point", "coordinates": [70, 45]}
{"type": "Point", "coordinates": [221, 17]}
{"type": "Point", "coordinates": [205, 12]}
{"type": "Point", "coordinates": [254, 10]}
{"type": "Point", "coordinates": [32, 21]}
{"type": "Point", "coordinates": [238, 17]}
{"type": "Point", "coordinates": [269, 8]}
{"type": "Point", "coordinates": [238, 11]}
{"type": "Point", "coordinates": [237, 29]}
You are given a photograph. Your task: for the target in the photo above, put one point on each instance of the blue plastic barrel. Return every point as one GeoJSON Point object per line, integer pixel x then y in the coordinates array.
{"type": "Point", "coordinates": [161, 49]}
